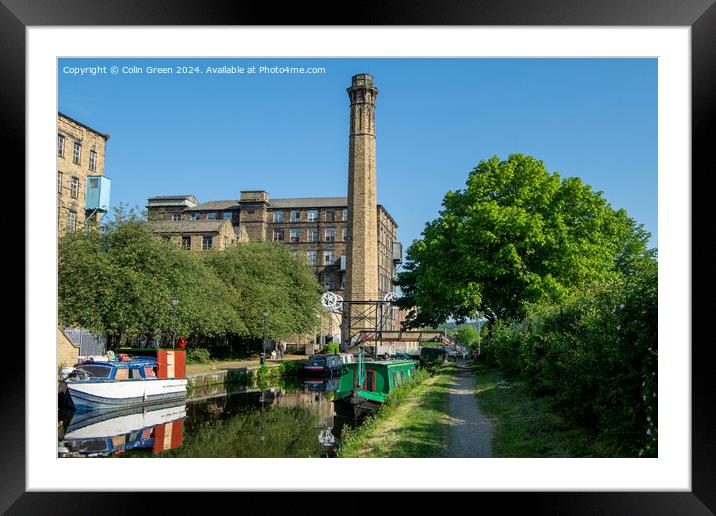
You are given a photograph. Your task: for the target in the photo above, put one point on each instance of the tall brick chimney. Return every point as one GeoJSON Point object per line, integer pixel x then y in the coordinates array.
{"type": "Point", "coordinates": [362, 252]}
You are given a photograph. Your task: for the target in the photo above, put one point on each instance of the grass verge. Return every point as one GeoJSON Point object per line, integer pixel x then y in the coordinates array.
{"type": "Point", "coordinates": [528, 426]}
{"type": "Point", "coordinates": [412, 423]}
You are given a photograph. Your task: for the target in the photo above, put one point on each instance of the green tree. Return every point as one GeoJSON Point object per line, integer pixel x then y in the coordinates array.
{"type": "Point", "coordinates": [467, 335]}
{"type": "Point", "coordinates": [120, 281]}
{"type": "Point", "coordinates": [516, 234]}
{"type": "Point", "coordinates": [265, 276]}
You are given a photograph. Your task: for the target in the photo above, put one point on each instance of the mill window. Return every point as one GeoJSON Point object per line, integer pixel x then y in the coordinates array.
{"type": "Point", "coordinates": [72, 220]}
{"type": "Point", "coordinates": [74, 187]}
{"type": "Point", "coordinates": [76, 153]}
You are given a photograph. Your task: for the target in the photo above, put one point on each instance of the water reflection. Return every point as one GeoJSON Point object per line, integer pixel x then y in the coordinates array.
{"type": "Point", "coordinates": [113, 432]}
{"type": "Point", "coordinates": [296, 420]}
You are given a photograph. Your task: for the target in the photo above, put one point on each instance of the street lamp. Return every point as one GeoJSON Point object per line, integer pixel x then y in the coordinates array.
{"type": "Point", "coordinates": [263, 348]}
{"type": "Point", "coordinates": [175, 302]}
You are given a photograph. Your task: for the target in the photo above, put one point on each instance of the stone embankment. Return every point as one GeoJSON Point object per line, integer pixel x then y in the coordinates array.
{"type": "Point", "coordinates": [203, 380]}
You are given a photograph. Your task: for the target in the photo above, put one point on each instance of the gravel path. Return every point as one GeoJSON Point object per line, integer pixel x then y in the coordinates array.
{"type": "Point", "coordinates": [470, 430]}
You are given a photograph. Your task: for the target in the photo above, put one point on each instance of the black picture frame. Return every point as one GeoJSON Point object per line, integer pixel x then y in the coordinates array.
{"type": "Point", "coordinates": [700, 15]}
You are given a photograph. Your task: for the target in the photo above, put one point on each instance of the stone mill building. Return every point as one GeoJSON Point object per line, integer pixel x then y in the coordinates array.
{"type": "Point", "coordinates": [350, 242]}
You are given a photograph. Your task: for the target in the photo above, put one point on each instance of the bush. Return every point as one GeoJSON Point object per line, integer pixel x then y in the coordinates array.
{"type": "Point", "coordinates": [197, 356]}
{"type": "Point", "coordinates": [596, 354]}
{"type": "Point", "coordinates": [291, 367]}
{"type": "Point", "coordinates": [333, 347]}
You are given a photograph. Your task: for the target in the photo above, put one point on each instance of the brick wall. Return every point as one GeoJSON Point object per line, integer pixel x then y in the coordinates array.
{"type": "Point", "coordinates": [67, 353]}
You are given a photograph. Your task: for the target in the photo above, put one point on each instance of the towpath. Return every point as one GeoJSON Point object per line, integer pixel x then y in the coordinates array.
{"type": "Point", "coordinates": [470, 432]}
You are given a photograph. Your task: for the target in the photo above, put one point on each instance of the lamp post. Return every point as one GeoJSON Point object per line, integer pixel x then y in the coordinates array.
{"type": "Point", "coordinates": [175, 302]}
{"type": "Point", "coordinates": [263, 347]}
{"type": "Point", "coordinates": [479, 331]}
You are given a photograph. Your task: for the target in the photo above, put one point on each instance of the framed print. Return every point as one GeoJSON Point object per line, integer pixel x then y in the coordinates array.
{"type": "Point", "coordinates": [173, 112]}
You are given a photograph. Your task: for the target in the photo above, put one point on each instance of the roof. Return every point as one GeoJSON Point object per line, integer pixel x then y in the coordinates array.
{"type": "Point", "coordinates": [380, 206]}
{"type": "Point", "coordinates": [216, 206]}
{"type": "Point", "coordinates": [103, 135]}
{"type": "Point", "coordinates": [188, 226]}
{"type": "Point", "coordinates": [287, 203]}
{"type": "Point", "coordinates": [169, 197]}
{"type": "Point", "coordinates": [309, 202]}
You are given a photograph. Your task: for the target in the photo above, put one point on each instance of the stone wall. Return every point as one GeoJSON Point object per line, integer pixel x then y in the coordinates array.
{"type": "Point", "coordinates": [67, 353]}
{"type": "Point", "coordinates": [69, 199]}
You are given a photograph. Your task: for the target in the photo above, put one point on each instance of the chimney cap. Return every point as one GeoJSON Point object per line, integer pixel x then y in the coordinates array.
{"type": "Point", "coordinates": [362, 80]}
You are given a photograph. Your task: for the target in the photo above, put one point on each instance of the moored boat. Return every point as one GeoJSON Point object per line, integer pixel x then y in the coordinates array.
{"type": "Point", "coordinates": [127, 381]}
{"type": "Point", "coordinates": [366, 385]}
{"type": "Point", "coordinates": [326, 364]}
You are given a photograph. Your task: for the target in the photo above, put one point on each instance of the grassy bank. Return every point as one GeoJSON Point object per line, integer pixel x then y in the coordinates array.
{"type": "Point", "coordinates": [529, 426]}
{"type": "Point", "coordinates": [412, 423]}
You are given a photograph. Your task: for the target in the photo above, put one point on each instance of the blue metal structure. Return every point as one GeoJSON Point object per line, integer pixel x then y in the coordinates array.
{"type": "Point", "coordinates": [97, 198]}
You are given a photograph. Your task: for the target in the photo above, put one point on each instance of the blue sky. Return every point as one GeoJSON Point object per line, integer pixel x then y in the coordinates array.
{"type": "Point", "coordinates": [215, 135]}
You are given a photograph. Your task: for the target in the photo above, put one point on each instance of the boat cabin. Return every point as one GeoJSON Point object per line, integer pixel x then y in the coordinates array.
{"type": "Point", "coordinates": [381, 378]}
{"type": "Point", "coordinates": [133, 369]}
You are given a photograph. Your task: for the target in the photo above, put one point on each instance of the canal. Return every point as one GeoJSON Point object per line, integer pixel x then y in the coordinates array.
{"type": "Point", "coordinates": [294, 419]}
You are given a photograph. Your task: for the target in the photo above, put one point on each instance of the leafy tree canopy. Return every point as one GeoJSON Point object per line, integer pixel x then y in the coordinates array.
{"type": "Point", "coordinates": [120, 280]}
{"type": "Point", "coordinates": [516, 234]}
{"type": "Point", "coordinates": [467, 335]}
{"type": "Point", "coordinates": [264, 275]}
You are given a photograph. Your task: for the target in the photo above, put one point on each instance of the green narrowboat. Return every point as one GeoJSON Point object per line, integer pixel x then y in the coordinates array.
{"type": "Point", "coordinates": [363, 391]}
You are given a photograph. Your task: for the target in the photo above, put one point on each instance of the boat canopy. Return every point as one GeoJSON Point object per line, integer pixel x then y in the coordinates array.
{"type": "Point", "coordinates": [121, 364]}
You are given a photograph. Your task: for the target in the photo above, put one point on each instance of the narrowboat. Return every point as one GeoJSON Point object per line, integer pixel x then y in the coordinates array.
{"type": "Point", "coordinates": [366, 385]}
{"type": "Point", "coordinates": [327, 364]}
{"type": "Point", "coordinates": [126, 381]}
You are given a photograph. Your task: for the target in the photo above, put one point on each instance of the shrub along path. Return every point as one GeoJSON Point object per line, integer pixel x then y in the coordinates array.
{"type": "Point", "coordinates": [526, 425]}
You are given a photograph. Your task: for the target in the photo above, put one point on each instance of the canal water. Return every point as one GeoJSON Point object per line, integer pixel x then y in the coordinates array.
{"type": "Point", "coordinates": [289, 420]}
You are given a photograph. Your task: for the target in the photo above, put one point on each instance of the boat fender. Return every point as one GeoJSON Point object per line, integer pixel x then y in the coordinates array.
{"type": "Point", "coordinates": [123, 357]}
